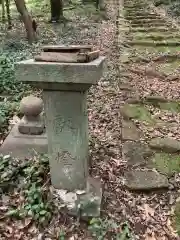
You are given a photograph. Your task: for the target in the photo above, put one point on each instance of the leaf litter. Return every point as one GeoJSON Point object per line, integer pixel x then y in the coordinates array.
{"type": "Point", "coordinates": [147, 214]}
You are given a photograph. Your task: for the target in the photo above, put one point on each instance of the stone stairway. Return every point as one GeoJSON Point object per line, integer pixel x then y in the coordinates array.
{"type": "Point", "coordinates": [150, 104]}
{"type": "Point", "coordinates": [150, 107]}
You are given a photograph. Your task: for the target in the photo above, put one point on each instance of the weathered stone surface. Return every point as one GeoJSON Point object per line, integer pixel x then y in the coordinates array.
{"type": "Point", "coordinates": [65, 115]}
{"type": "Point", "coordinates": [90, 202]}
{"type": "Point", "coordinates": [130, 131]}
{"type": "Point", "coordinates": [31, 106]}
{"type": "Point", "coordinates": [165, 144]}
{"type": "Point", "coordinates": [32, 122]}
{"type": "Point", "coordinates": [35, 127]}
{"type": "Point", "coordinates": [129, 111]}
{"type": "Point", "coordinates": [155, 99]}
{"type": "Point", "coordinates": [134, 100]}
{"type": "Point", "coordinates": [124, 58]}
{"type": "Point", "coordinates": [67, 131]}
{"type": "Point", "coordinates": [163, 103]}
{"type": "Point", "coordinates": [136, 153]}
{"type": "Point", "coordinates": [84, 203]}
{"type": "Point", "coordinates": [24, 146]}
{"type": "Point", "coordinates": [56, 76]}
{"type": "Point", "coordinates": [167, 163]}
{"type": "Point", "coordinates": [176, 218]}
{"type": "Point", "coordinates": [170, 106]}
{"type": "Point", "coordinates": [125, 87]}
{"type": "Point", "coordinates": [145, 180]}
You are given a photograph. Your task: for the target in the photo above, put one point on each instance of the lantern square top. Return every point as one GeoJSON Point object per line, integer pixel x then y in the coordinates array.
{"type": "Point", "coordinates": [60, 75]}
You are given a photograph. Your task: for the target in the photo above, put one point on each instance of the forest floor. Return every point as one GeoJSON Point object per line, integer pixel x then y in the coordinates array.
{"type": "Point", "coordinates": [26, 204]}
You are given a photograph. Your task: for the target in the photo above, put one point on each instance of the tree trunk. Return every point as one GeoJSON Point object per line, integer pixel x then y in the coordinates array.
{"type": "Point", "coordinates": [3, 11]}
{"type": "Point", "coordinates": [8, 14]}
{"type": "Point", "coordinates": [56, 10]}
{"type": "Point", "coordinates": [27, 20]}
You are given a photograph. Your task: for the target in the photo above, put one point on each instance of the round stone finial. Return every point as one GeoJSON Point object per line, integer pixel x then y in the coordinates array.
{"type": "Point", "coordinates": [31, 106]}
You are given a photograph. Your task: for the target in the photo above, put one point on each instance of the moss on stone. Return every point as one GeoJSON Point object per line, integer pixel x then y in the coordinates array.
{"type": "Point", "coordinates": [167, 163]}
{"type": "Point", "coordinates": [163, 103]}
{"type": "Point", "coordinates": [136, 111]}
{"type": "Point", "coordinates": [156, 50]}
{"type": "Point", "coordinates": [157, 37]}
{"type": "Point", "coordinates": [170, 106]}
{"type": "Point", "coordinates": [169, 67]}
{"type": "Point", "coordinates": [155, 100]}
{"type": "Point", "coordinates": [176, 218]}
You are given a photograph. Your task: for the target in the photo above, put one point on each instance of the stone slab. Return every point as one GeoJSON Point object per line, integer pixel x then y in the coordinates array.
{"type": "Point", "coordinates": [24, 146]}
{"type": "Point", "coordinates": [130, 131]}
{"type": "Point", "coordinates": [35, 127]}
{"type": "Point", "coordinates": [166, 144]}
{"type": "Point", "coordinates": [136, 153]}
{"type": "Point", "coordinates": [67, 131]}
{"type": "Point", "coordinates": [51, 75]}
{"type": "Point", "coordinates": [82, 203]}
{"type": "Point", "coordinates": [145, 180]}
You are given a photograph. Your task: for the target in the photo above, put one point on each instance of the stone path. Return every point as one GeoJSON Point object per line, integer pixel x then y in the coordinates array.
{"type": "Point", "coordinates": [150, 106]}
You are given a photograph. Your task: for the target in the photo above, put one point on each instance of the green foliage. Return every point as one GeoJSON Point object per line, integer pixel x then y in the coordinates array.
{"type": "Point", "coordinates": [160, 2]}
{"type": "Point", "coordinates": [11, 91]}
{"type": "Point", "coordinates": [7, 109]}
{"type": "Point", "coordinates": [8, 82]}
{"type": "Point", "coordinates": [100, 229]}
{"type": "Point", "coordinates": [167, 163]}
{"type": "Point", "coordinates": [163, 2]}
{"type": "Point", "coordinates": [35, 206]}
{"type": "Point", "coordinates": [33, 174]}
{"type": "Point", "coordinates": [8, 170]}
{"type": "Point", "coordinates": [6, 74]}
{"type": "Point", "coordinates": [61, 235]}
{"type": "Point", "coordinates": [173, 6]}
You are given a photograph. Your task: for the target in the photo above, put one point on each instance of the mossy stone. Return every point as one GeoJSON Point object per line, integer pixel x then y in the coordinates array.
{"type": "Point", "coordinates": [145, 180]}
{"type": "Point", "coordinates": [170, 106]}
{"type": "Point", "coordinates": [136, 111]}
{"type": "Point", "coordinates": [165, 144]}
{"type": "Point", "coordinates": [176, 218]}
{"type": "Point", "coordinates": [155, 100]}
{"type": "Point", "coordinates": [163, 103]}
{"type": "Point", "coordinates": [137, 153]}
{"type": "Point", "coordinates": [168, 67]}
{"type": "Point", "coordinates": [167, 163]}
{"type": "Point", "coordinates": [130, 131]}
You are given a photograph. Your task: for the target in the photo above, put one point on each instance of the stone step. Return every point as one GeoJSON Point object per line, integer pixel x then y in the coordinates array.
{"type": "Point", "coordinates": [150, 21]}
{"type": "Point", "coordinates": [166, 144]}
{"type": "Point", "coordinates": [135, 5]}
{"type": "Point", "coordinates": [151, 43]}
{"type": "Point", "coordinates": [140, 16]}
{"type": "Point", "coordinates": [156, 37]}
{"type": "Point", "coordinates": [137, 13]}
{"type": "Point", "coordinates": [134, 9]}
{"type": "Point", "coordinates": [144, 15]}
{"type": "Point", "coordinates": [145, 180]}
{"type": "Point", "coordinates": [147, 25]}
{"type": "Point", "coordinates": [152, 29]}
{"type": "Point", "coordinates": [138, 10]}
{"type": "Point", "coordinates": [143, 18]}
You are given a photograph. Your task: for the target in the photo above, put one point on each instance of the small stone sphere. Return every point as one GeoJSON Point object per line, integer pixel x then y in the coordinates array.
{"type": "Point", "coordinates": [31, 106]}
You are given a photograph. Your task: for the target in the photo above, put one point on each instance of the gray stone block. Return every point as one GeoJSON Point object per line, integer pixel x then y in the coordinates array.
{"type": "Point", "coordinates": [64, 76]}
{"type": "Point", "coordinates": [35, 127]}
{"type": "Point", "coordinates": [22, 146]}
{"type": "Point", "coordinates": [82, 203]}
{"type": "Point", "coordinates": [65, 88]}
{"type": "Point", "coordinates": [145, 180]}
